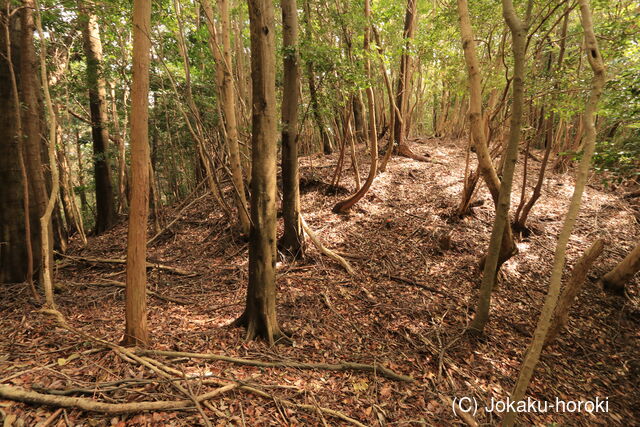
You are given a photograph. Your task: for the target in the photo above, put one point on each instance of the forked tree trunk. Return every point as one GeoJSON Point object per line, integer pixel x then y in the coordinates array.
{"type": "Point", "coordinates": [345, 205]}
{"type": "Point", "coordinates": [616, 279]}
{"type": "Point", "coordinates": [136, 332]}
{"type": "Point", "coordinates": [501, 222]}
{"type": "Point", "coordinates": [478, 136]}
{"type": "Point", "coordinates": [259, 316]}
{"type": "Point", "coordinates": [533, 353]}
{"type": "Point", "coordinates": [292, 239]}
{"type": "Point", "coordinates": [105, 201]}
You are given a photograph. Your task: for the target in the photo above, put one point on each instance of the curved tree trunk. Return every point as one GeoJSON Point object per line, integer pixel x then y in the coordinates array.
{"type": "Point", "coordinates": [617, 278]}
{"type": "Point", "coordinates": [345, 205]}
{"type": "Point", "coordinates": [533, 353]}
{"type": "Point", "coordinates": [478, 136]}
{"type": "Point", "coordinates": [501, 223]}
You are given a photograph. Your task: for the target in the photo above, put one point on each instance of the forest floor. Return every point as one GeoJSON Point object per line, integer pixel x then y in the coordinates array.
{"type": "Point", "coordinates": [405, 308]}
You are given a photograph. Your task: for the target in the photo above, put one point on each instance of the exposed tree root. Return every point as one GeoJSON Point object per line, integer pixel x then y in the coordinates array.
{"type": "Point", "coordinates": [405, 151]}
{"type": "Point", "coordinates": [90, 405]}
{"type": "Point", "coordinates": [343, 366]}
{"type": "Point", "coordinates": [159, 266]}
{"type": "Point", "coordinates": [328, 252]}
{"type": "Point", "coordinates": [108, 283]}
{"type": "Point", "coordinates": [13, 393]}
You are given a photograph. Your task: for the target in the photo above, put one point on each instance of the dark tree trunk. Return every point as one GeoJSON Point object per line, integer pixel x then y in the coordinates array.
{"type": "Point", "coordinates": [105, 201]}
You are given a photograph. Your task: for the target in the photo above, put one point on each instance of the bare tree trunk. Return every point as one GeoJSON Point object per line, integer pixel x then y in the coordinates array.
{"type": "Point", "coordinates": [617, 278]}
{"type": "Point", "coordinates": [136, 332]}
{"type": "Point", "coordinates": [226, 91]}
{"type": "Point", "coordinates": [292, 239]}
{"type": "Point", "coordinates": [501, 223]}
{"type": "Point", "coordinates": [15, 222]}
{"type": "Point", "coordinates": [477, 132]}
{"type": "Point", "coordinates": [259, 316]}
{"type": "Point", "coordinates": [327, 148]}
{"type": "Point", "coordinates": [45, 219]}
{"type": "Point", "coordinates": [401, 122]}
{"type": "Point", "coordinates": [345, 205]}
{"type": "Point", "coordinates": [533, 353]}
{"type": "Point", "coordinates": [572, 289]}
{"type": "Point", "coordinates": [105, 201]}
{"type": "Point", "coordinates": [122, 165]}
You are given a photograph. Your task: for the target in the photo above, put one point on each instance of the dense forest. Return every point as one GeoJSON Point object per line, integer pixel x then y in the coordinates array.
{"type": "Point", "coordinates": [408, 212]}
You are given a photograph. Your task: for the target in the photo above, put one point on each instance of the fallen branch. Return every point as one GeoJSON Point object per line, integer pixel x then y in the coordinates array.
{"type": "Point", "coordinates": [414, 283]}
{"type": "Point", "coordinates": [162, 370]}
{"type": "Point", "coordinates": [159, 266]}
{"type": "Point", "coordinates": [343, 366]}
{"type": "Point", "coordinates": [328, 252]}
{"type": "Point", "coordinates": [90, 405]}
{"type": "Point", "coordinates": [118, 284]}
{"type": "Point", "coordinates": [175, 219]}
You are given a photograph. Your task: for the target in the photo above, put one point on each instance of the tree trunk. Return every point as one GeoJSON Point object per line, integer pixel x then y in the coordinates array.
{"type": "Point", "coordinates": [105, 202]}
{"type": "Point", "coordinates": [292, 239]}
{"type": "Point", "coordinates": [15, 219]}
{"type": "Point", "coordinates": [345, 205]}
{"type": "Point", "coordinates": [136, 332]}
{"type": "Point", "coordinates": [572, 289]}
{"type": "Point", "coordinates": [327, 148]}
{"type": "Point", "coordinates": [478, 137]}
{"type": "Point", "coordinates": [616, 279]}
{"type": "Point", "coordinates": [533, 353]}
{"type": "Point", "coordinates": [501, 222]}
{"type": "Point", "coordinates": [400, 128]}
{"type": "Point", "coordinates": [259, 316]}
{"type": "Point", "coordinates": [226, 92]}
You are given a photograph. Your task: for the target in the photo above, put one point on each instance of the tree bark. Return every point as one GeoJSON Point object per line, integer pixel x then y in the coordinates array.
{"type": "Point", "coordinates": [105, 201]}
{"type": "Point", "coordinates": [478, 135]}
{"type": "Point", "coordinates": [533, 353]}
{"type": "Point", "coordinates": [501, 222]}
{"type": "Point", "coordinates": [292, 239]}
{"type": "Point", "coordinates": [345, 205]}
{"type": "Point", "coordinates": [400, 128]}
{"type": "Point", "coordinates": [572, 289]}
{"type": "Point", "coordinates": [616, 279]}
{"type": "Point", "coordinates": [259, 316]}
{"type": "Point", "coordinates": [136, 332]}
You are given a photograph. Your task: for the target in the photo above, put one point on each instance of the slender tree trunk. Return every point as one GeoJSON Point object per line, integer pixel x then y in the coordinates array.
{"type": "Point", "coordinates": [400, 128]}
{"type": "Point", "coordinates": [136, 332]}
{"type": "Point", "coordinates": [617, 278]}
{"type": "Point", "coordinates": [327, 148]}
{"type": "Point", "coordinates": [105, 201]}
{"type": "Point", "coordinates": [122, 165]}
{"type": "Point", "coordinates": [477, 131]}
{"type": "Point", "coordinates": [45, 220]}
{"type": "Point", "coordinates": [292, 239]}
{"type": "Point", "coordinates": [259, 316]}
{"type": "Point", "coordinates": [501, 223]}
{"type": "Point", "coordinates": [572, 289]}
{"type": "Point", "coordinates": [345, 205]}
{"type": "Point", "coordinates": [226, 91]}
{"type": "Point", "coordinates": [533, 353]}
